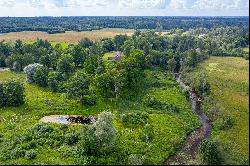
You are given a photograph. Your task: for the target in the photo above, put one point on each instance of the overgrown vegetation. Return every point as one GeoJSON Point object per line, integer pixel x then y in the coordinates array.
{"type": "Point", "coordinates": [11, 94]}
{"type": "Point", "coordinates": [209, 153]}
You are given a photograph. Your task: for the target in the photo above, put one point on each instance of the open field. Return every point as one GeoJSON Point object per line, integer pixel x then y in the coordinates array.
{"type": "Point", "coordinates": [246, 49]}
{"type": "Point", "coordinates": [229, 80]}
{"type": "Point", "coordinates": [168, 129]}
{"type": "Point", "coordinates": [69, 36]}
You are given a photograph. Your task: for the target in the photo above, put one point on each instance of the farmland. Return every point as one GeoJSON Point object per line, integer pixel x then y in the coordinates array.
{"type": "Point", "coordinates": [69, 36]}
{"type": "Point", "coordinates": [229, 79]}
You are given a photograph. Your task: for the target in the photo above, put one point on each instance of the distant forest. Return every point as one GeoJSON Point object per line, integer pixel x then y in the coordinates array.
{"type": "Point", "coordinates": [62, 24]}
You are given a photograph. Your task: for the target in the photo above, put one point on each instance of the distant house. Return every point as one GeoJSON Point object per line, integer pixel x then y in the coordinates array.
{"type": "Point", "coordinates": [117, 56]}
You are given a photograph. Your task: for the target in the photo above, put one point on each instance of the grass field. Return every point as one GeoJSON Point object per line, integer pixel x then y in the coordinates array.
{"type": "Point", "coordinates": [246, 49]}
{"type": "Point", "coordinates": [168, 129]}
{"type": "Point", "coordinates": [229, 79]}
{"type": "Point", "coordinates": [70, 37]}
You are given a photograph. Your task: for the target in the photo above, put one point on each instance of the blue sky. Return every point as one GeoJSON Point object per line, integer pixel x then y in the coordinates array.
{"type": "Point", "coordinates": [124, 7]}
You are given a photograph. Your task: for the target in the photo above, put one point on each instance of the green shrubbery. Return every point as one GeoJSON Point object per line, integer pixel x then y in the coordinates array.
{"type": "Point", "coordinates": [71, 138]}
{"type": "Point", "coordinates": [198, 83]}
{"type": "Point", "coordinates": [209, 153]}
{"type": "Point", "coordinates": [224, 123]}
{"type": "Point", "coordinates": [88, 142]}
{"type": "Point", "coordinates": [133, 119]}
{"type": "Point", "coordinates": [54, 80]}
{"type": "Point", "coordinates": [40, 76]}
{"type": "Point", "coordinates": [31, 154]}
{"type": "Point", "coordinates": [156, 103]}
{"type": "Point", "coordinates": [11, 94]}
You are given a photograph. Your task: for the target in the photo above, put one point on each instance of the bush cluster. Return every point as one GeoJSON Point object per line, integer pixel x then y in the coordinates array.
{"type": "Point", "coordinates": [11, 94]}
{"type": "Point", "coordinates": [224, 123]}
{"type": "Point", "coordinates": [30, 70]}
{"type": "Point", "coordinates": [134, 119]}
{"type": "Point", "coordinates": [209, 153]}
{"type": "Point", "coordinates": [152, 101]}
{"type": "Point", "coordinates": [54, 81]}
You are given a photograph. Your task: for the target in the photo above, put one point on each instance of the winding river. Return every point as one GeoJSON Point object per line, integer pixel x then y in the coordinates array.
{"type": "Point", "coordinates": [187, 154]}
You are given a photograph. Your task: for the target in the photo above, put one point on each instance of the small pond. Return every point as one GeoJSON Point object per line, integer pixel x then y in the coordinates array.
{"type": "Point", "coordinates": [69, 119]}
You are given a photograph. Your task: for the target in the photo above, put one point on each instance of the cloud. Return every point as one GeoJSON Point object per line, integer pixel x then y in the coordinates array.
{"type": "Point", "coordinates": [7, 3]}
{"type": "Point", "coordinates": [144, 4]}
{"type": "Point", "coordinates": [222, 4]}
{"type": "Point", "coordinates": [123, 7]}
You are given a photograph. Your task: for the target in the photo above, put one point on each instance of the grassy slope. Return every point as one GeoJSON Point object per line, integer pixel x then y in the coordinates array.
{"type": "Point", "coordinates": [229, 79]}
{"type": "Point", "coordinates": [169, 129]}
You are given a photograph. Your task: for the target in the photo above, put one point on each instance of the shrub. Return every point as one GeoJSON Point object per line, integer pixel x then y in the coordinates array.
{"type": "Point", "coordinates": [151, 101]}
{"type": "Point", "coordinates": [224, 123]}
{"type": "Point", "coordinates": [148, 132]}
{"type": "Point", "coordinates": [41, 131]}
{"type": "Point", "coordinates": [2, 95]}
{"type": "Point", "coordinates": [17, 66]}
{"type": "Point", "coordinates": [78, 86]}
{"type": "Point", "coordinates": [105, 131]}
{"type": "Point", "coordinates": [209, 153]}
{"type": "Point", "coordinates": [71, 138]}
{"type": "Point", "coordinates": [2, 61]}
{"type": "Point", "coordinates": [31, 154]}
{"type": "Point", "coordinates": [54, 79]}
{"type": "Point", "coordinates": [89, 100]}
{"type": "Point", "coordinates": [65, 63]}
{"type": "Point", "coordinates": [30, 70]}
{"type": "Point", "coordinates": [134, 119]}
{"type": "Point", "coordinates": [88, 142]}
{"type": "Point", "coordinates": [14, 93]}
{"type": "Point", "coordinates": [135, 159]}
{"type": "Point", "coordinates": [200, 84]}
{"type": "Point", "coordinates": [40, 76]}
{"type": "Point", "coordinates": [17, 62]}
{"type": "Point", "coordinates": [17, 153]}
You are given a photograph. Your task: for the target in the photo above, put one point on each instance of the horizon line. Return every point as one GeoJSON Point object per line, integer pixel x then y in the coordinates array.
{"type": "Point", "coordinates": [131, 16]}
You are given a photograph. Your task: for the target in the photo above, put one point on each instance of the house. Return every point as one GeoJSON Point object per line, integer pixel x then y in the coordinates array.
{"type": "Point", "coordinates": [117, 56]}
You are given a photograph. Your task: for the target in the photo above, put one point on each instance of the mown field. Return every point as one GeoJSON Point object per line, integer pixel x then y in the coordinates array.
{"type": "Point", "coordinates": [228, 105]}
{"type": "Point", "coordinates": [168, 128]}
{"type": "Point", "coordinates": [69, 36]}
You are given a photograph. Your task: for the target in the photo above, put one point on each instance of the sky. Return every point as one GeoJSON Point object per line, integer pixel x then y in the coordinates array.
{"type": "Point", "coordinates": [30, 8]}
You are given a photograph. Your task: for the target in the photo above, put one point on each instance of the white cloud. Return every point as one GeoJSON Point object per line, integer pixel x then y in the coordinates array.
{"type": "Point", "coordinates": [142, 4]}
{"type": "Point", "coordinates": [8, 3]}
{"type": "Point", "coordinates": [123, 7]}
{"type": "Point", "coordinates": [222, 4]}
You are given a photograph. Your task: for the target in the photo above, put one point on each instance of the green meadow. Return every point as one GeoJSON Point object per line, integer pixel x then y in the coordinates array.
{"type": "Point", "coordinates": [227, 104]}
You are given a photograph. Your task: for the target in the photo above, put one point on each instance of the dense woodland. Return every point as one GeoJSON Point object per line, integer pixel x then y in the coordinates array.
{"type": "Point", "coordinates": [62, 24]}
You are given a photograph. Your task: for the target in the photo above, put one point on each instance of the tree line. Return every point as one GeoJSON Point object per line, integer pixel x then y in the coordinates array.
{"type": "Point", "coordinates": [81, 72]}
{"type": "Point", "coordinates": [61, 24]}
